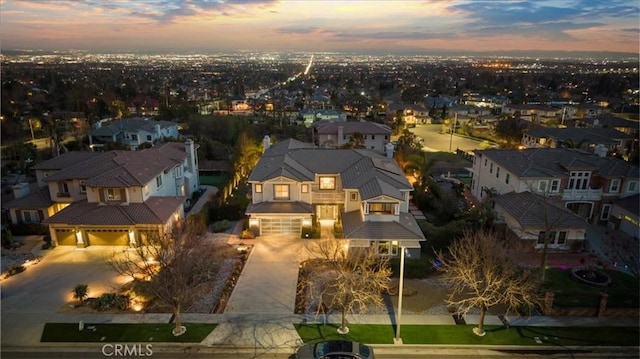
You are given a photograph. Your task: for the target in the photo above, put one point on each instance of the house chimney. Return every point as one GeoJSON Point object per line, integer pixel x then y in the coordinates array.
{"type": "Point", "coordinates": [340, 135]}
{"type": "Point", "coordinates": [389, 150]}
{"type": "Point", "coordinates": [601, 150]}
{"type": "Point", "coordinates": [266, 141]}
{"type": "Point", "coordinates": [158, 133]}
{"type": "Point", "coordinates": [20, 190]}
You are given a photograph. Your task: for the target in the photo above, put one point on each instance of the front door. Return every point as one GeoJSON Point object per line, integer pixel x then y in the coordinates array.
{"type": "Point", "coordinates": [326, 212]}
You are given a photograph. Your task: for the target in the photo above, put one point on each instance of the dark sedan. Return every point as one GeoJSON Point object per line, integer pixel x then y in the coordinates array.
{"type": "Point", "coordinates": [335, 349]}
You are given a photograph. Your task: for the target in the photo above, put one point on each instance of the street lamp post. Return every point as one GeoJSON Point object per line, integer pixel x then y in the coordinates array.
{"type": "Point", "coordinates": [397, 339]}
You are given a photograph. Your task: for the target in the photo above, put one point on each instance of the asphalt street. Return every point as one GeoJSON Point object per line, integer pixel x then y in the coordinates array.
{"type": "Point", "coordinates": [435, 141]}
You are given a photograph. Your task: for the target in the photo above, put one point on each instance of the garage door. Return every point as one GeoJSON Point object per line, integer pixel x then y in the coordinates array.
{"type": "Point", "coordinates": [108, 237]}
{"type": "Point", "coordinates": [281, 226]}
{"type": "Point", "coordinates": [66, 237]}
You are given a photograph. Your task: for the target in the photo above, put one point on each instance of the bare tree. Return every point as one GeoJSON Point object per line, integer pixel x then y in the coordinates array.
{"type": "Point", "coordinates": [482, 274]}
{"type": "Point", "coordinates": [347, 279]}
{"type": "Point", "coordinates": [174, 266]}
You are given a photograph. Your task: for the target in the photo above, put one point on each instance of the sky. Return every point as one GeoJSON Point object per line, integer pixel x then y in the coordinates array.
{"type": "Point", "coordinates": [320, 26]}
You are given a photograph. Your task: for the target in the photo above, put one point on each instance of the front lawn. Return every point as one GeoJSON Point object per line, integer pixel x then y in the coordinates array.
{"type": "Point", "coordinates": [121, 332]}
{"type": "Point", "coordinates": [462, 334]}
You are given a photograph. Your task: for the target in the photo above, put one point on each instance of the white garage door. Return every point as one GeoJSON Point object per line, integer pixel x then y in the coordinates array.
{"type": "Point", "coordinates": [281, 226]}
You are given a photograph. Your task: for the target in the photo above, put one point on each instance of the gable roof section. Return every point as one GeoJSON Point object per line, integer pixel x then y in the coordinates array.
{"type": "Point", "coordinates": [630, 204]}
{"type": "Point", "coordinates": [37, 199]}
{"type": "Point", "coordinates": [556, 162]}
{"type": "Point", "coordinates": [528, 209]}
{"type": "Point", "coordinates": [66, 160]}
{"type": "Point", "coordinates": [156, 210]}
{"type": "Point", "coordinates": [119, 168]}
{"type": "Point", "coordinates": [605, 136]}
{"type": "Point", "coordinates": [370, 173]}
{"type": "Point", "coordinates": [406, 228]}
{"type": "Point", "coordinates": [363, 127]}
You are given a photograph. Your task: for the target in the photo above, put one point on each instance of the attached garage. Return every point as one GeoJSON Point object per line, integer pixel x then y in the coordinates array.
{"type": "Point", "coordinates": [66, 236]}
{"type": "Point", "coordinates": [107, 237]}
{"type": "Point", "coordinates": [280, 226]}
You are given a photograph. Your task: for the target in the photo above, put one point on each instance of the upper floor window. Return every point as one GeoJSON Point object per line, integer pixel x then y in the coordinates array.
{"type": "Point", "coordinates": [327, 183]}
{"type": "Point", "coordinates": [632, 186]}
{"type": "Point", "coordinates": [281, 191]}
{"type": "Point", "coordinates": [258, 188]}
{"type": "Point", "coordinates": [506, 178]}
{"type": "Point", "coordinates": [113, 194]}
{"type": "Point", "coordinates": [555, 185]}
{"type": "Point", "coordinates": [498, 172]}
{"type": "Point", "coordinates": [615, 186]}
{"type": "Point", "coordinates": [485, 161]}
{"type": "Point", "coordinates": [353, 196]}
{"type": "Point", "coordinates": [578, 180]}
{"type": "Point", "coordinates": [542, 186]}
{"type": "Point", "coordinates": [491, 168]}
{"type": "Point", "coordinates": [83, 187]}
{"type": "Point", "coordinates": [304, 188]}
{"type": "Point", "coordinates": [63, 189]}
{"type": "Point", "coordinates": [178, 172]}
{"type": "Point", "coordinates": [159, 181]}
{"type": "Point", "coordinates": [134, 137]}
{"type": "Point", "coordinates": [373, 137]}
{"type": "Point", "coordinates": [148, 137]}
{"type": "Point", "coordinates": [381, 208]}
{"type": "Point", "coordinates": [386, 137]}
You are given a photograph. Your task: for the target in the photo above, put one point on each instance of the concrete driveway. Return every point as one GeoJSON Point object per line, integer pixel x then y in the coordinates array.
{"type": "Point", "coordinates": [32, 298]}
{"type": "Point", "coordinates": [268, 282]}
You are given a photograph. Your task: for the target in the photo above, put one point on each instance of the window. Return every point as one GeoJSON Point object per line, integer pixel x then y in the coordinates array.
{"type": "Point", "coordinates": [381, 208]}
{"type": "Point", "coordinates": [555, 185]}
{"type": "Point", "coordinates": [373, 137]}
{"type": "Point", "coordinates": [113, 194]}
{"type": "Point", "coordinates": [485, 162]}
{"type": "Point", "coordinates": [506, 178]}
{"type": "Point", "coordinates": [327, 183]}
{"type": "Point", "coordinates": [554, 237]}
{"type": "Point", "coordinates": [134, 137]}
{"type": "Point", "coordinates": [30, 216]}
{"type": "Point", "coordinates": [542, 186]}
{"type": "Point", "coordinates": [63, 189]}
{"type": "Point", "coordinates": [498, 172]}
{"type": "Point", "coordinates": [578, 180]}
{"type": "Point", "coordinates": [632, 186]}
{"type": "Point", "coordinates": [491, 168]}
{"type": "Point", "coordinates": [386, 248]}
{"type": "Point", "coordinates": [83, 187]}
{"type": "Point", "coordinates": [606, 210]}
{"type": "Point", "coordinates": [305, 188]}
{"type": "Point", "coordinates": [258, 188]}
{"type": "Point", "coordinates": [562, 238]}
{"type": "Point", "coordinates": [541, 237]}
{"type": "Point", "coordinates": [148, 137]}
{"type": "Point", "coordinates": [159, 181]}
{"type": "Point", "coordinates": [353, 196]}
{"type": "Point", "coordinates": [178, 172]}
{"type": "Point", "coordinates": [386, 137]}
{"type": "Point", "coordinates": [615, 186]}
{"type": "Point", "coordinates": [281, 191]}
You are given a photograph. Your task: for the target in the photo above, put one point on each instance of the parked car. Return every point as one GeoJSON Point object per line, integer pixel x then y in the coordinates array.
{"type": "Point", "coordinates": [335, 349]}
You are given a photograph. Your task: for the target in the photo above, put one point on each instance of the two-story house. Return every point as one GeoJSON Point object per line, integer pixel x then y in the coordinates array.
{"type": "Point", "coordinates": [331, 134]}
{"type": "Point", "coordinates": [295, 183]}
{"type": "Point", "coordinates": [584, 138]}
{"type": "Point", "coordinates": [532, 112]}
{"type": "Point", "coordinates": [583, 182]}
{"type": "Point", "coordinates": [112, 197]}
{"type": "Point", "coordinates": [310, 116]}
{"type": "Point", "coordinates": [132, 132]}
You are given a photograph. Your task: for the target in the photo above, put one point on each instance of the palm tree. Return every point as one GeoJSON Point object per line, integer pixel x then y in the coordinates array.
{"type": "Point", "coordinates": [80, 292]}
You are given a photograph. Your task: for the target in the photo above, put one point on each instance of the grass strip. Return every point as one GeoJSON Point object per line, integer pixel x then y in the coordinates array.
{"type": "Point", "coordinates": [462, 335]}
{"type": "Point", "coordinates": [123, 332]}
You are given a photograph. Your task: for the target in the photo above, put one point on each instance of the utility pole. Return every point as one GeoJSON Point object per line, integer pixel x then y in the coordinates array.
{"type": "Point", "coordinates": [397, 339]}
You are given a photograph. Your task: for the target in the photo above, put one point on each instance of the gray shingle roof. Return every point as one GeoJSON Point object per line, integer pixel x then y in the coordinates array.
{"type": "Point", "coordinates": [156, 210]}
{"type": "Point", "coordinates": [40, 198]}
{"type": "Point", "coordinates": [279, 207]}
{"type": "Point", "coordinates": [605, 136]}
{"type": "Point", "coordinates": [131, 125]}
{"type": "Point", "coordinates": [557, 162]}
{"type": "Point", "coordinates": [528, 209]}
{"type": "Point", "coordinates": [364, 127]}
{"type": "Point", "coordinates": [406, 228]}
{"type": "Point", "coordinates": [370, 173]}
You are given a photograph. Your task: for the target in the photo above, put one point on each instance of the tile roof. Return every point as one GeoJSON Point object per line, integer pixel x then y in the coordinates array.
{"type": "Point", "coordinates": [131, 125]}
{"type": "Point", "coordinates": [40, 198]}
{"type": "Point", "coordinates": [605, 136]}
{"type": "Point", "coordinates": [117, 168]}
{"type": "Point", "coordinates": [366, 171]}
{"type": "Point", "coordinates": [156, 210]}
{"type": "Point", "coordinates": [557, 162]}
{"type": "Point", "coordinates": [406, 228]}
{"type": "Point", "coordinates": [66, 160]}
{"type": "Point", "coordinates": [529, 208]}
{"type": "Point", "coordinates": [279, 207]}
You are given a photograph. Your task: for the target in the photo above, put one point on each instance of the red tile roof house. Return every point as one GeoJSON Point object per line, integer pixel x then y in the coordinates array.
{"type": "Point", "coordinates": [295, 182]}
{"type": "Point", "coordinates": [110, 198]}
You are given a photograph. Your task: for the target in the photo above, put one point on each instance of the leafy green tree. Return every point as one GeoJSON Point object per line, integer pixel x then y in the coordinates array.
{"type": "Point", "coordinates": [510, 131]}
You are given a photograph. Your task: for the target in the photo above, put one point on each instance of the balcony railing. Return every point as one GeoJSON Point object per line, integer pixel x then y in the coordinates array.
{"type": "Point", "coordinates": [330, 197]}
{"type": "Point", "coordinates": [589, 194]}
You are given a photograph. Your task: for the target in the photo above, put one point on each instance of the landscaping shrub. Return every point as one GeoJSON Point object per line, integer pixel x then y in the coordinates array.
{"type": "Point", "coordinates": [27, 229]}
{"type": "Point", "coordinates": [247, 234]}
{"type": "Point", "coordinates": [414, 268]}
{"type": "Point", "coordinates": [80, 292]}
{"type": "Point", "coordinates": [7, 238]}
{"type": "Point", "coordinates": [220, 226]}
{"type": "Point", "coordinates": [441, 236]}
{"type": "Point", "coordinates": [108, 301]}
{"type": "Point", "coordinates": [15, 269]}
{"type": "Point", "coordinates": [310, 232]}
